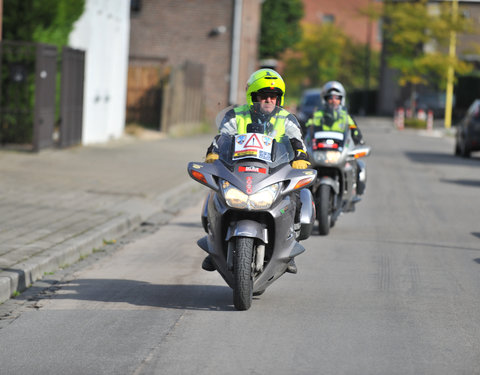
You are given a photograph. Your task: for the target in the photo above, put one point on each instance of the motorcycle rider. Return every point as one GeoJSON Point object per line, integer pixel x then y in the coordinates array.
{"type": "Point", "coordinates": [265, 93]}
{"type": "Point", "coordinates": [333, 116]}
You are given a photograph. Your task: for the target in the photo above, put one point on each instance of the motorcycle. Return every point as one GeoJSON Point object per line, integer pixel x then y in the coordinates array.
{"type": "Point", "coordinates": [249, 213]}
{"type": "Point", "coordinates": [341, 175]}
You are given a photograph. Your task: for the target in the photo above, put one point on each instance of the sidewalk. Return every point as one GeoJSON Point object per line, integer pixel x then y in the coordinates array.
{"type": "Point", "coordinates": [58, 205]}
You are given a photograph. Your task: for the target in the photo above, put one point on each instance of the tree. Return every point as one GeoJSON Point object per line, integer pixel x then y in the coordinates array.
{"type": "Point", "coordinates": [45, 21]}
{"type": "Point", "coordinates": [325, 53]}
{"type": "Point", "coordinates": [315, 58]}
{"type": "Point", "coordinates": [417, 35]}
{"type": "Point", "coordinates": [280, 26]}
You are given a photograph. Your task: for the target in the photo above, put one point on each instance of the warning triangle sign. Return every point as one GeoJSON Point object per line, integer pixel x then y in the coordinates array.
{"type": "Point", "coordinates": [253, 142]}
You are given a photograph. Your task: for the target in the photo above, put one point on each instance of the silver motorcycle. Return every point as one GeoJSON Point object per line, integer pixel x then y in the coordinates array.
{"type": "Point", "coordinates": [341, 175]}
{"type": "Point", "coordinates": [249, 214]}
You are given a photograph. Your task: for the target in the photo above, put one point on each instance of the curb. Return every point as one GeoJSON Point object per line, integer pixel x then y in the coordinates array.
{"type": "Point", "coordinates": [19, 279]}
{"type": "Point", "coordinates": [68, 252]}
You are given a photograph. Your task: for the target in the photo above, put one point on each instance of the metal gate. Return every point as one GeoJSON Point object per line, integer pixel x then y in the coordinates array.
{"type": "Point", "coordinates": [71, 101]}
{"type": "Point", "coordinates": [45, 78]}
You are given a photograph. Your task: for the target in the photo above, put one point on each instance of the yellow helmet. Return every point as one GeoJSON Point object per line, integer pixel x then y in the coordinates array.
{"type": "Point", "coordinates": [265, 80]}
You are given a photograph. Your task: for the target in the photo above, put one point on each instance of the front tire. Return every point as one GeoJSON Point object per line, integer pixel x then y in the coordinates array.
{"type": "Point", "coordinates": [242, 273]}
{"type": "Point", "coordinates": [324, 215]}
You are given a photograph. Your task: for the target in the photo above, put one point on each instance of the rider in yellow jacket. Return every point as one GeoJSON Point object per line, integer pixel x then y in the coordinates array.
{"type": "Point", "coordinates": [265, 98]}
{"type": "Point", "coordinates": [333, 116]}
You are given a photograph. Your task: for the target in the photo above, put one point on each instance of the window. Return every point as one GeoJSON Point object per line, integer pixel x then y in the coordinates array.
{"type": "Point", "coordinates": [135, 6]}
{"type": "Point", "coordinates": [328, 18]}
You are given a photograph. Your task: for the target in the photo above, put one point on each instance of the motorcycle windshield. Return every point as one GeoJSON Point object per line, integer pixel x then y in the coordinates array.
{"type": "Point", "coordinates": [326, 140]}
{"type": "Point", "coordinates": [251, 132]}
{"type": "Point", "coordinates": [329, 139]}
{"type": "Point", "coordinates": [251, 147]}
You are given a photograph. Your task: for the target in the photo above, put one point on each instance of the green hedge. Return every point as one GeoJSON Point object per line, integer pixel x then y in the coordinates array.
{"type": "Point", "coordinates": [415, 123]}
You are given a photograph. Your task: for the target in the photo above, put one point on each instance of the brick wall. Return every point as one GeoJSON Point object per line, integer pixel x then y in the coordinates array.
{"type": "Point", "coordinates": [346, 16]}
{"type": "Point", "coordinates": [196, 30]}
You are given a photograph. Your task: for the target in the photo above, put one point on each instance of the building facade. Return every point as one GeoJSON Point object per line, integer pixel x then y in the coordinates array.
{"type": "Point", "coordinates": [221, 35]}
{"type": "Point", "coordinates": [348, 15]}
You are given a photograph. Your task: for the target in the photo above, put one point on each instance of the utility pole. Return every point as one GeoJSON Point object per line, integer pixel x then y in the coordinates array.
{"type": "Point", "coordinates": [1, 19]}
{"type": "Point", "coordinates": [451, 72]}
{"type": "Point", "coordinates": [367, 66]}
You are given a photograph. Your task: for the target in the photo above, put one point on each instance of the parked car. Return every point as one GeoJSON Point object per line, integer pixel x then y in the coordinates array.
{"type": "Point", "coordinates": [467, 137]}
{"type": "Point", "coordinates": [310, 102]}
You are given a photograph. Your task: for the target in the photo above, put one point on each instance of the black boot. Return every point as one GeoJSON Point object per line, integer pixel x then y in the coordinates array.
{"type": "Point", "coordinates": [207, 264]}
{"type": "Point", "coordinates": [292, 267]}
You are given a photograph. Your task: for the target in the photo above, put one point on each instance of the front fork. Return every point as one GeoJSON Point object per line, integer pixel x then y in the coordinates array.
{"type": "Point", "coordinates": [258, 255]}
{"type": "Point", "coordinates": [247, 228]}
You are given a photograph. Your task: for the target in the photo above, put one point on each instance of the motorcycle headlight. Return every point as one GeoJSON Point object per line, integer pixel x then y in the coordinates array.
{"type": "Point", "coordinates": [330, 157]}
{"type": "Point", "coordinates": [261, 200]}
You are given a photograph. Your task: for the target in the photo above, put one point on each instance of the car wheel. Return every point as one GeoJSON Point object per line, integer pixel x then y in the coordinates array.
{"type": "Point", "coordinates": [457, 149]}
{"type": "Point", "coordinates": [465, 151]}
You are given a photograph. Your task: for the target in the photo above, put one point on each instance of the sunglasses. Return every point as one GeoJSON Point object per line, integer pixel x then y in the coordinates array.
{"type": "Point", "coordinates": [336, 97]}
{"type": "Point", "coordinates": [266, 95]}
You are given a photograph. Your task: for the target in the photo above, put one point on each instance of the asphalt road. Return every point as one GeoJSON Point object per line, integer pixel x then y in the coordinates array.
{"type": "Point", "coordinates": [393, 289]}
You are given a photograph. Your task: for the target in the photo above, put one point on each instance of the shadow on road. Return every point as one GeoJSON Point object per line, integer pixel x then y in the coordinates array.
{"type": "Point", "coordinates": [188, 225]}
{"type": "Point", "coordinates": [442, 158]}
{"type": "Point", "coordinates": [139, 293]}
{"type": "Point", "coordinates": [471, 183]}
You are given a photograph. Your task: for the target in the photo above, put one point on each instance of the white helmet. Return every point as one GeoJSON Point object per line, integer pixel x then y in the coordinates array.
{"type": "Point", "coordinates": [335, 88]}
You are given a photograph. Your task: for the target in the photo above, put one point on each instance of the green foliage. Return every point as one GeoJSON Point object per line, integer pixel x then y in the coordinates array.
{"type": "Point", "coordinates": [315, 58]}
{"type": "Point", "coordinates": [325, 53]}
{"type": "Point", "coordinates": [45, 21]}
{"type": "Point", "coordinates": [356, 58]}
{"type": "Point", "coordinates": [415, 123]}
{"type": "Point", "coordinates": [17, 74]}
{"type": "Point", "coordinates": [418, 34]}
{"type": "Point", "coordinates": [280, 26]}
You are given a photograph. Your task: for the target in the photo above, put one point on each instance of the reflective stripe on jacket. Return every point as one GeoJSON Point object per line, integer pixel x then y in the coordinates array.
{"type": "Point", "coordinates": [243, 118]}
{"type": "Point", "coordinates": [342, 118]}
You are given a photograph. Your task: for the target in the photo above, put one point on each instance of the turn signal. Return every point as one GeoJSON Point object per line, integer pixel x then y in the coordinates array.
{"type": "Point", "coordinates": [303, 182]}
{"type": "Point", "coordinates": [199, 176]}
{"type": "Point", "coordinates": [359, 155]}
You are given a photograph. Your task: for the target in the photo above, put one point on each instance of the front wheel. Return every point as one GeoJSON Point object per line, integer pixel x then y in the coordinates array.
{"type": "Point", "coordinates": [324, 215]}
{"type": "Point", "coordinates": [242, 273]}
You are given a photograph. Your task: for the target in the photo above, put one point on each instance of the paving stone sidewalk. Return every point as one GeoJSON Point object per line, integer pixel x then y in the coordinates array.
{"type": "Point", "coordinates": [58, 205]}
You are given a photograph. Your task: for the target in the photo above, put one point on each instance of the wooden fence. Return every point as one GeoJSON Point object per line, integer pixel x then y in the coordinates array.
{"type": "Point", "coordinates": [167, 100]}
